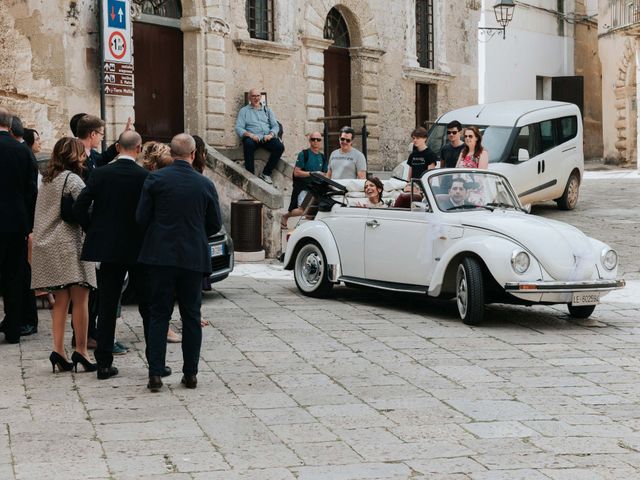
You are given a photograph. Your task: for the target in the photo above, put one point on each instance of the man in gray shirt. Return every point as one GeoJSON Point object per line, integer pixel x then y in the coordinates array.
{"type": "Point", "coordinates": [347, 162]}
{"type": "Point", "coordinates": [258, 127]}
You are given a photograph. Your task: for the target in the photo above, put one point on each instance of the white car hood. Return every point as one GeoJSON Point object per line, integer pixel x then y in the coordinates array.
{"type": "Point", "coordinates": [562, 250]}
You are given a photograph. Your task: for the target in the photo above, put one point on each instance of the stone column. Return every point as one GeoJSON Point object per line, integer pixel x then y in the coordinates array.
{"type": "Point", "coordinates": [365, 93]}
{"type": "Point", "coordinates": [314, 75]}
{"type": "Point", "coordinates": [637, 44]}
{"type": "Point", "coordinates": [411, 49]}
{"type": "Point", "coordinates": [215, 91]}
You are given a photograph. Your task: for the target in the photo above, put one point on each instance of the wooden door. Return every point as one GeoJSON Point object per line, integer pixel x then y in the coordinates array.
{"type": "Point", "coordinates": [159, 88]}
{"type": "Point", "coordinates": [568, 89]}
{"type": "Point", "coordinates": [337, 90]}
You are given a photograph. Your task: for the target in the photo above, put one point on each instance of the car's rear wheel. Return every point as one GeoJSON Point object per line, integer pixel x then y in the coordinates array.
{"type": "Point", "coordinates": [582, 311]}
{"type": "Point", "coordinates": [470, 291]}
{"type": "Point", "coordinates": [569, 198]}
{"type": "Point", "coordinates": [310, 271]}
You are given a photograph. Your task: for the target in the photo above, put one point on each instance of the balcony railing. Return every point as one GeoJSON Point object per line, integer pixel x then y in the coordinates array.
{"type": "Point", "coordinates": [625, 13]}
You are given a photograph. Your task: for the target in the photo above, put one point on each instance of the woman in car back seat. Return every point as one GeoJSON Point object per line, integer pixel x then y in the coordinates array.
{"type": "Point", "coordinates": [373, 188]}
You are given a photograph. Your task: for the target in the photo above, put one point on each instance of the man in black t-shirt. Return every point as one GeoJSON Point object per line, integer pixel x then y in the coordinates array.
{"type": "Point", "coordinates": [451, 151]}
{"type": "Point", "coordinates": [422, 157]}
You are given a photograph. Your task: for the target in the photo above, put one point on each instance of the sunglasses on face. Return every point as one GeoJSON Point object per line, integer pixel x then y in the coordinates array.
{"type": "Point", "coordinates": [314, 139]}
{"type": "Point", "coordinates": [452, 132]}
{"type": "Point", "coordinates": [469, 136]}
{"type": "Point", "coordinates": [346, 140]}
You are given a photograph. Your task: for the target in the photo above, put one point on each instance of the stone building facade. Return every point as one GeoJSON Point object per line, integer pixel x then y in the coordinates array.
{"type": "Point", "coordinates": [50, 56]}
{"type": "Point", "coordinates": [619, 46]}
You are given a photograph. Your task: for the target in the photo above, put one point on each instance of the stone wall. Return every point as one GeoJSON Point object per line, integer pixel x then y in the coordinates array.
{"type": "Point", "coordinates": [48, 62]}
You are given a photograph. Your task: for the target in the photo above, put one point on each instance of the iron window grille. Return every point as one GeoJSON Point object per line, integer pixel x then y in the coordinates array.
{"type": "Point", "coordinates": [424, 33]}
{"type": "Point", "coordinates": [160, 8]}
{"type": "Point", "coordinates": [335, 28]}
{"type": "Point", "coordinates": [260, 19]}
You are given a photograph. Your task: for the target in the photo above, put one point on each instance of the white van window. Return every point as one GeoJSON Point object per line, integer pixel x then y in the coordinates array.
{"type": "Point", "coordinates": [528, 139]}
{"type": "Point", "coordinates": [546, 135]}
{"type": "Point", "coordinates": [568, 128]}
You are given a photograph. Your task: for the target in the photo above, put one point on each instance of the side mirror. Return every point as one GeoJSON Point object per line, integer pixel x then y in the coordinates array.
{"type": "Point", "coordinates": [523, 155]}
{"type": "Point", "coordinates": [527, 207]}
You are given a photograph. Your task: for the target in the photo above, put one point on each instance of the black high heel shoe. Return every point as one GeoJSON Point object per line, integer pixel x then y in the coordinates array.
{"type": "Point", "coordinates": [56, 359]}
{"type": "Point", "coordinates": [76, 358]}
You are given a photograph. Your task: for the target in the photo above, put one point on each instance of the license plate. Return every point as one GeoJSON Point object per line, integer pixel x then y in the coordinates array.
{"type": "Point", "coordinates": [216, 250]}
{"type": "Point", "coordinates": [585, 298]}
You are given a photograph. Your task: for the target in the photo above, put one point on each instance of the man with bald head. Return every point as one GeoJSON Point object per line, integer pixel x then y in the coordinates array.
{"type": "Point", "coordinates": [258, 127]}
{"type": "Point", "coordinates": [106, 209]}
{"type": "Point", "coordinates": [179, 210]}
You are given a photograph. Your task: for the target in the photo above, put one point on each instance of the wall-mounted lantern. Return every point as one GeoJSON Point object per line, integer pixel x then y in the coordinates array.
{"type": "Point", "coordinates": [504, 14]}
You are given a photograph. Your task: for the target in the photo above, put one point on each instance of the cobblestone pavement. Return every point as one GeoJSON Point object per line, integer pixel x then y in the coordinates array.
{"type": "Point", "coordinates": [366, 385]}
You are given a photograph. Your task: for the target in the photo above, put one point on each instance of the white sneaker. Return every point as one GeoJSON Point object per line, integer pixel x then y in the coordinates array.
{"type": "Point", "coordinates": [266, 178]}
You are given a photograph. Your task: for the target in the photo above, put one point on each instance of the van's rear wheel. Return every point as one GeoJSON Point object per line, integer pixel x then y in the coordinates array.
{"type": "Point", "coordinates": [470, 291]}
{"type": "Point", "coordinates": [569, 198]}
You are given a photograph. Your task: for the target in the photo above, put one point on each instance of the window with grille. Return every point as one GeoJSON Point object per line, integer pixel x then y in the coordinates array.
{"type": "Point", "coordinates": [260, 19]}
{"type": "Point", "coordinates": [424, 32]}
{"type": "Point", "coordinates": [161, 8]}
{"type": "Point", "coordinates": [335, 28]}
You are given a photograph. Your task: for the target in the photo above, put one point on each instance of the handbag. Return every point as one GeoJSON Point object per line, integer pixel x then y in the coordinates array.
{"type": "Point", "coordinates": [66, 204]}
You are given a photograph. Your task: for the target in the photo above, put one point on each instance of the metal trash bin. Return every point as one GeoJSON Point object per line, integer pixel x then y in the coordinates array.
{"type": "Point", "coordinates": [246, 225]}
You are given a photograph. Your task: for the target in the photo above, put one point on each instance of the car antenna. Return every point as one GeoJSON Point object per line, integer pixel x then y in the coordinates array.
{"type": "Point", "coordinates": [481, 110]}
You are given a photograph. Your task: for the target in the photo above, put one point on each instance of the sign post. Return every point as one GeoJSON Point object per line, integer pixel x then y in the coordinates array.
{"type": "Point", "coordinates": [117, 67]}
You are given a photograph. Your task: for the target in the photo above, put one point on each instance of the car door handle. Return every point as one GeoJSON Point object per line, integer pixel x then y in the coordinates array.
{"type": "Point", "coordinates": [373, 224]}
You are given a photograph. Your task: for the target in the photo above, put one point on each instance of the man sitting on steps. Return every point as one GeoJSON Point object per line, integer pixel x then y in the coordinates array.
{"type": "Point", "coordinates": [258, 127]}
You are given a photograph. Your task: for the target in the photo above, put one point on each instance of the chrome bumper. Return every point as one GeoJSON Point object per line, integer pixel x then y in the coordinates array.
{"type": "Point", "coordinates": [564, 287]}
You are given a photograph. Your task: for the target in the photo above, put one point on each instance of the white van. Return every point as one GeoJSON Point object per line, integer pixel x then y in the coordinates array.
{"type": "Point", "coordinates": [537, 144]}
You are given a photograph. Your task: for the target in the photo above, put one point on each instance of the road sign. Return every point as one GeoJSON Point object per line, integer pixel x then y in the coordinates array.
{"type": "Point", "coordinates": [116, 30]}
{"type": "Point", "coordinates": [118, 79]}
{"type": "Point", "coordinates": [117, 16]}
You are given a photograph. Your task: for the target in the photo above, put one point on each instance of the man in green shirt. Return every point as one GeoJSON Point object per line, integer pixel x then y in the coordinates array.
{"type": "Point", "coordinates": [309, 160]}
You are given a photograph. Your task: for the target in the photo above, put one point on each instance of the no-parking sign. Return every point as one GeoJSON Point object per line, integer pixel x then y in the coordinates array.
{"type": "Point", "coordinates": [116, 28]}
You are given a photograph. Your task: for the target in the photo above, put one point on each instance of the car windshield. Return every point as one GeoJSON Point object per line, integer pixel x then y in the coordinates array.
{"type": "Point", "coordinates": [470, 190]}
{"type": "Point", "coordinates": [494, 139]}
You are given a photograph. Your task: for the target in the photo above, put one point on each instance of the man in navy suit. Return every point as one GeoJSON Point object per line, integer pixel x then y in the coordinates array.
{"type": "Point", "coordinates": [18, 190]}
{"type": "Point", "coordinates": [179, 210]}
{"type": "Point", "coordinates": [106, 209]}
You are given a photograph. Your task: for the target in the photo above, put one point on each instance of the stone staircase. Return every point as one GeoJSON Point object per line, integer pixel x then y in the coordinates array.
{"type": "Point", "coordinates": [233, 182]}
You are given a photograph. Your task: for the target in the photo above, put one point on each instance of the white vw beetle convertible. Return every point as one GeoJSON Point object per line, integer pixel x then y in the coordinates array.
{"type": "Point", "coordinates": [459, 234]}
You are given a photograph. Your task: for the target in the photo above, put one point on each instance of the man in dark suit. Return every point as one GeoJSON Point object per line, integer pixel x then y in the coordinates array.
{"type": "Point", "coordinates": [90, 130]}
{"type": "Point", "coordinates": [18, 190]}
{"type": "Point", "coordinates": [29, 309]}
{"type": "Point", "coordinates": [106, 209]}
{"type": "Point", "coordinates": [179, 210]}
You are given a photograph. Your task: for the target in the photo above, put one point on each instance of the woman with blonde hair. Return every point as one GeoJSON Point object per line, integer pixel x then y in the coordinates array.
{"type": "Point", "coordinates": [155, 155]}
{"type": "Point", "coordinates": [57, 245]}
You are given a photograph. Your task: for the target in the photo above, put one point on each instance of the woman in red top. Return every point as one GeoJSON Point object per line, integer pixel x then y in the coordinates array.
{"type": "Point", "coordinates": [473, 155]}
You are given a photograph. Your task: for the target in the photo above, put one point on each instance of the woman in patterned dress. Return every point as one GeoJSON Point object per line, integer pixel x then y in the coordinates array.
{"type": "Point", "coordinates": [473, 155]}
{"type": "Point", "coordinates": [56, 253]}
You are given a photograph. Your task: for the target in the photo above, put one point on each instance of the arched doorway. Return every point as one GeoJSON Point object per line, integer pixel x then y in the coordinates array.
{"type": "Point", "coordinates": [158, 62]}
{"type": "Point", "coordinates": [337, 72]}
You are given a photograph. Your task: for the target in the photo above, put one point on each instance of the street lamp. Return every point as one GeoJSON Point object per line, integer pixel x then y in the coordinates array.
{"type": "Point", "coordinates": [504, 13]}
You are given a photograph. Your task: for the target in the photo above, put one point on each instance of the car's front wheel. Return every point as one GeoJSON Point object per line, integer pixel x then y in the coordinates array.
{"type": "Point", "coordinates": [470, 291]}
{"type": "Point", "coordinates": [310, 271]}
{"type": "Point", "coordinates": [569, 198]}
{"type": "Point", "coordinates": [582, 311]}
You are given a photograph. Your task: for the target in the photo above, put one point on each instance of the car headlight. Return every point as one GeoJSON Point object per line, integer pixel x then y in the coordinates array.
{"type": "Point", "coordinates": [520, 261]}
{"type": "Point", "coordinates": [609, 258]}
